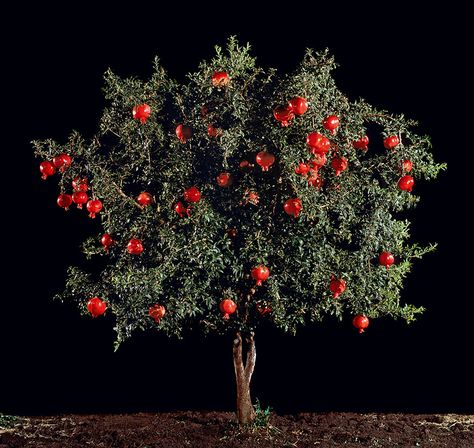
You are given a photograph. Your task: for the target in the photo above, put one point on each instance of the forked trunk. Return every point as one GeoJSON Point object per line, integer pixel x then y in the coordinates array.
{"type": "Point", "coordinates": [243, 376]}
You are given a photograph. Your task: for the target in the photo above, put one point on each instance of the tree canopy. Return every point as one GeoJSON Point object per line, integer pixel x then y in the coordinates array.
{"type": "Point", "coordinates": [316, 196]}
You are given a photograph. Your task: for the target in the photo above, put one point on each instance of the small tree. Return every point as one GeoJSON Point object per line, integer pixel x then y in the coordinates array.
{"type": "Point", "coordinates": [239, 197]}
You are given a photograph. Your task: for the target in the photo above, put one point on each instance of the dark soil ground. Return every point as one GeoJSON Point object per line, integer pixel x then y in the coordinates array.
{"type": "Point", "coordinates": [216, 429]}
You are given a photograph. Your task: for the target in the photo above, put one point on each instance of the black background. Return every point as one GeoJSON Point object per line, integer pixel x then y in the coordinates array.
{"type": "Point", "coordinates": [52, 360]}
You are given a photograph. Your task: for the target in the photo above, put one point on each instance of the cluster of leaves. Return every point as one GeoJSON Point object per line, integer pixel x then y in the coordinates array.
{"type": "Point", "coordinates": [262, 415]}
{"type": "Point", "coordinates": [190, 264]}
{"type": "Point", "coordinates": [8, 421]}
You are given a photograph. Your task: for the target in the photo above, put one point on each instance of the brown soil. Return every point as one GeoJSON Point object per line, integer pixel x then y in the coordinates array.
{"type": "Point", "coordinates": [216, 429]}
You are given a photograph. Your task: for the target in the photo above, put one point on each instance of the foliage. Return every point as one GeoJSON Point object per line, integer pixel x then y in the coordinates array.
{"type": "Point", "coordinates": [190, 264]}
{"type": "Point", "coordinates": [262, 415]}
{"type": "Point", "coordinates": [7, 421]}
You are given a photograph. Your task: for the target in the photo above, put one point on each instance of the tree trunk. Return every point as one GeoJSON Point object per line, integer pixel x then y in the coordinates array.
{"type": "Point", "coordinates": [243, 376]}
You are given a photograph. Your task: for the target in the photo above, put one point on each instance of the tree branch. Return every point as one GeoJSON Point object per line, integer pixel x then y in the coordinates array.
{"type": "Point", "coordinates": [246, 301]}
{"type": "Point", "coordinates": [119, 190]}
{"type": "Point", "coordinates": [237, 351]}
{"type": "Point", "coordinates": [381, 116]}
{"type": "Point", "coordinates": [249, 80]}
{"type": "Point", "coordinates": [251, 357]}
{"type": "Point", "coordinates": [121, 193]}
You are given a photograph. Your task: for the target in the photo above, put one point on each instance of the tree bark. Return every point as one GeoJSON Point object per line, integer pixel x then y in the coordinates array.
{"type": "Point", "coordinates": [243, 376]}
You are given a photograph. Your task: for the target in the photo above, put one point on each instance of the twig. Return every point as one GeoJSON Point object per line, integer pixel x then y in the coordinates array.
{"type": "Point", "coordinates": [381, 116]}
{"type": "Point", "coordinates": [249, 80]}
